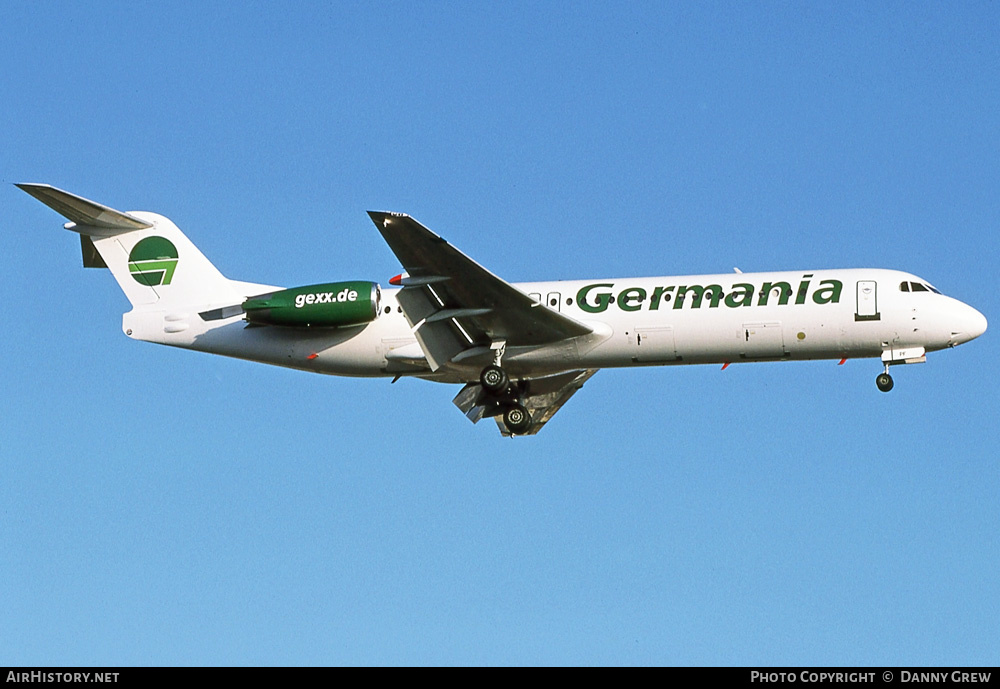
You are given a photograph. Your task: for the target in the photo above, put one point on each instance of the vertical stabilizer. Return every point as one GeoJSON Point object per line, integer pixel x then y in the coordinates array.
{"type": "Point", "coordinates": [152, 260]}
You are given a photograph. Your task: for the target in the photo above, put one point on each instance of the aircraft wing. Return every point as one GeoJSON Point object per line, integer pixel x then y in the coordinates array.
{"type": "Point", "coordinates": [542, 397]}
{"type": "Point", "coordinates": [458, 308]}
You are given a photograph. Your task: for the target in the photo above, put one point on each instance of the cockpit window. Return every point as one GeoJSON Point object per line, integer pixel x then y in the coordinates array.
{"type": "Point", "coordinates": [917, 287]}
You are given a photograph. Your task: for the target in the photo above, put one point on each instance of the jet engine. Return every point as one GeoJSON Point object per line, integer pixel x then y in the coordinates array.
{"type": "Point", "coordinates": [329, 305]}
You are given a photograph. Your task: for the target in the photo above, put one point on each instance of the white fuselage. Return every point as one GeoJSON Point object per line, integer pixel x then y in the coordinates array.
{"type": "Point", "coordinates": [726, 318]}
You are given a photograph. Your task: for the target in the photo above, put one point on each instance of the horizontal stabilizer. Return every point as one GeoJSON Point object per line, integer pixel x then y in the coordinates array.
{"type": "Point", "coordinates": [82, 211]}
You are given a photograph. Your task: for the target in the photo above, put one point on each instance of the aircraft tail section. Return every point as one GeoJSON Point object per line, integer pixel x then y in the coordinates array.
{"type": "Point", "coordinates": [155, 264]}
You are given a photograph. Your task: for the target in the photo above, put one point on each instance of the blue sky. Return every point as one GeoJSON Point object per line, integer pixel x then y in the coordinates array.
{"type": "Point", "coordinates": [168, 507]}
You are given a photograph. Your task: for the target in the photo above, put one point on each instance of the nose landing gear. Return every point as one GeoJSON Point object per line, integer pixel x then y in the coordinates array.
{"type": "Point", "coordinates": [884, 380]}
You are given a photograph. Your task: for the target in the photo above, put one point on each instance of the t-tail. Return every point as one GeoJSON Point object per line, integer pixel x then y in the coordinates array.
{"type": "Point", "coordinates": [156, 266]}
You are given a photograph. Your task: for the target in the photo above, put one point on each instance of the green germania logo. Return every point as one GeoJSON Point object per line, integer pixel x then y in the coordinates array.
{"type": "Point", "coordinates": [152, 261]}
{"type": "Point", "coordinates": [598, 297]}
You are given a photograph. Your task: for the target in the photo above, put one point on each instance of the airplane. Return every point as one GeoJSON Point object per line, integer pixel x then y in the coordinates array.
{"type": "Point", "coordinates": [520, 351]}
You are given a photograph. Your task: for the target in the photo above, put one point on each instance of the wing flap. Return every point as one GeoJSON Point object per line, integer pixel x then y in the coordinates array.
{"type": "Point", "coordinates": [418, 303]}
{"type": "Point", "coordinates": [441, 341]}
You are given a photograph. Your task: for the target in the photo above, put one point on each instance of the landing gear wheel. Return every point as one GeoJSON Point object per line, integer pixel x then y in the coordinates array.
{"type": "Point", "coordinates": [516, 419]}
{"type": "Point", "coordinates": [494, 379]}
{"type": "Point", "coordinates": [884, 382]}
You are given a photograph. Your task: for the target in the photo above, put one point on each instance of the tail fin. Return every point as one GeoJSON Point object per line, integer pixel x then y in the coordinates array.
{"type": "Point", "coordinates": [152, 260]}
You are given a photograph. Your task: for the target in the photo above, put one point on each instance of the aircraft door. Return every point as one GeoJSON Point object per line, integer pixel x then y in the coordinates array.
{"type": "Point", "coordinates": [762, 341]}
{"type": "Point", "coordinates": [867, 309]}
{"type": "Point", "coordinates": [654, 344]}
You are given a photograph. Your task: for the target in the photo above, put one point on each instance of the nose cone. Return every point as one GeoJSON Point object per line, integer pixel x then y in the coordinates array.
{"type": "Point", "coordinates": [967, 324]}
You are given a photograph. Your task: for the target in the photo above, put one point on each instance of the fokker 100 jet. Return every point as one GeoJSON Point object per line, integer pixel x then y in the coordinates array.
{"type": "Point", "coordinates": [519, 350]}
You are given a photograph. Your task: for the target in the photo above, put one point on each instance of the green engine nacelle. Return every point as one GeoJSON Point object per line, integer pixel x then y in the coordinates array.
{"type": "Point", "coordinates": [328, 305]}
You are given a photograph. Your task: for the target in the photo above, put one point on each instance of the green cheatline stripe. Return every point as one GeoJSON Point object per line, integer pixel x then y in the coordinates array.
{"type": "Point", "coordinates": [167, 267]}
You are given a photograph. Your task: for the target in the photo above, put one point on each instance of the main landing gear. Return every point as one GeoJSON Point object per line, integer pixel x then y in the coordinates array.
{"type": "Point", "coordinates": [496, 384]}
{"type": "Point", "coordinates": [517, 419]}
{"type": "Point", "coordinates": [494, 380]}
{"type": "Point", "coordinates": [884, 380]}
